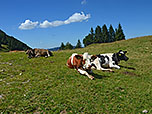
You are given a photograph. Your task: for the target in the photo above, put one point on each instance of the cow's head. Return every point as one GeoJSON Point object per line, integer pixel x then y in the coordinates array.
{"type": "Point", "coordinates": [30, 53]}
{"type": "Point", "coordinates": [78, 61]}
{"type": "Point", "coordinates": [121, 55]}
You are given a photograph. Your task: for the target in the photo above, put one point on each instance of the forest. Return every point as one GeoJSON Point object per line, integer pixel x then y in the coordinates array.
{"type": "Point", "coordinates": [9, 43]}
{"type": "Point", "coordinates": [99, 35]}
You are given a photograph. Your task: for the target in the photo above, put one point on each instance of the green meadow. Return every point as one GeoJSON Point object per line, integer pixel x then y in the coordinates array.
{"type": "Point", "coordinates": [47, 85]}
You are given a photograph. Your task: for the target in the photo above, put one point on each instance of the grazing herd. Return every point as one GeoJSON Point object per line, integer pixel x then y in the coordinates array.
{"type": "Point", "coordinates": [84, 63]}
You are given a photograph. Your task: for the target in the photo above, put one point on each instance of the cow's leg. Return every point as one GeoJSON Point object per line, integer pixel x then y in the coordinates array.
{"type": "Point", "coordinates": [85, 73]}
{"type": "Point", "coordinates": [90, 71]}
{"type": "Point", "coordinates": [112, 65]}
{"type": "Point", "coordinates": [37, 55]}
{"type": "Point", "coordinates": [105, 69]}
{"type": "Point", "coordinates": [99, 67]}
{"type": "Point", "coordinates": [48, 53]}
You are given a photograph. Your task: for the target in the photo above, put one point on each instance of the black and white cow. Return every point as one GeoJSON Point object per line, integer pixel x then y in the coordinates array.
{"type": "Point", "coordinates": [109, 60]}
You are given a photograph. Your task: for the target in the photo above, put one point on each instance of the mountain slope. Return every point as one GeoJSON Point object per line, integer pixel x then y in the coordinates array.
{"type": "Point", "coordinates": [11, 43]}
{"type": "Point", "coordinates": [42, 85]}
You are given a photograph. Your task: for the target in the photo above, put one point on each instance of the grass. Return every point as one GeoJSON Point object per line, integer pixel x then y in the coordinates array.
{"type": "Point", "coordinates": [46, 85]}
{"type": "Point", "coordinates": [4, 48]}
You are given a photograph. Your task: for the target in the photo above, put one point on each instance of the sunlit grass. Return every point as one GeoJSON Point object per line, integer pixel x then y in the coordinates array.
{"type": "Point", "coordinates": [41, 85]}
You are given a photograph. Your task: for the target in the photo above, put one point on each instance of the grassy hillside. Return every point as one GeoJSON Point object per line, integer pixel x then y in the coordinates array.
{"type": "Point", "coordinates": [4, 48]}
{"type": "Point", "coordinates": [46, 84]}
{"type": "Point", "coordinates": [9, 43]}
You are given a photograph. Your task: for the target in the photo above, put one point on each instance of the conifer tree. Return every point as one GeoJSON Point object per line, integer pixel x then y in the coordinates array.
{"type": "Point", "coordinates": [119, 33]}
{"type": "Point", "coordinates": [98, 35]}
{"type": "Point", "coordinates": [78, 44]}
{"type": "Point", "coordinates": [62, 47]}
{"type": "Point", "coordinates": [92, 35]}
{"type": "Point", "coordinates": [68, 46]}
{"type": "Point", "coordinates": [87, 40]}
{"type": "Point", "coordinates": [111, 34]}
{"type": "Point", "coordinates": [105, 34]}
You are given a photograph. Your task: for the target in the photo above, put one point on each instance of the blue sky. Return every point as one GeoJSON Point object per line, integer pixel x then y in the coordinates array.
{"type": "Point", "coordinates": [47, 23]}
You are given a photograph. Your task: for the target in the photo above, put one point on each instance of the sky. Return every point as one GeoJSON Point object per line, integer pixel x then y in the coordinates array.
{"type": "Point", "coordinates": [47, 23]}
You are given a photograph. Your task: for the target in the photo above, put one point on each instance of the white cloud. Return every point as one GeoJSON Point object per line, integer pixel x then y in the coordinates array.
{"type": "Point", "coordinates": [83, 2]}
{"type": "Point", "coordinates": [28, 25]}
{"type": "Point", "coordinates": [76, 17]}
{"type": "Point", "coordinates": [47, 24]}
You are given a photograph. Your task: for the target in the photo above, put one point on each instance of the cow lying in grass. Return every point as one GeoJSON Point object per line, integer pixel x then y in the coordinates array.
{"type": "Point", "coordinates": [38, 53]}
{"type": "Point", "coordinates": [82, 63]}
{"type": "Point", "coordinates": [109, 60]}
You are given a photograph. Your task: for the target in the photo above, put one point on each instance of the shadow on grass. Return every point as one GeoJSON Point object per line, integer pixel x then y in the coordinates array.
{"type": "Point", "coordinates": [131, 74]}
{"type": "Point", "coordinates": [96, 76]}
{"type": "Point", "coordinates": [127, 67]}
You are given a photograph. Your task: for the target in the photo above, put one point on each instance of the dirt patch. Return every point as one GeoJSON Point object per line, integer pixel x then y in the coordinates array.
{"type": "Point", "coordinates": [130, 74]}
{"type": "Point", "coordinates": [16, 51]}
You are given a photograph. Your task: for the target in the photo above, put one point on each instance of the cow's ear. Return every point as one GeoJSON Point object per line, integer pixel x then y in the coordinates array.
{"type": "Point", "coordinates": [125, 52]}
{"type": "Point", "coordinates": [93, 57]}
{"type": "Point", "coordinates": [98, 55]}
{"type": "Point", "coordinates": [78, 56]}
{"type": "Point", "coordinates": [119, 51]}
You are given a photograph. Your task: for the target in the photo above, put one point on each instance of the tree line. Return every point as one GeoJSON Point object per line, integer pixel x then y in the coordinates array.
{"type": "Point", "coordinates": [104, 35]}
{"type": "Point", "coordinates": [11, 42]}
{"type": "Point", "coordinates": [99, 35]}
{"type": "Point", "coordinates": [70, 46]}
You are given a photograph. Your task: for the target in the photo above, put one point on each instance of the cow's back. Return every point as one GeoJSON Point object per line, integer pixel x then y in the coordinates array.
{"type": "Point", "coordinates": [41, 52]}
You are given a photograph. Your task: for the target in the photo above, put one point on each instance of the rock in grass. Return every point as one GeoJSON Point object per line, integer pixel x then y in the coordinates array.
{"type": "Point", "coordinates": [145, 111]}
{"type": "Point", "coordinates": [1, 96]}
{"type": "Point", "coordinates": [20, 73]}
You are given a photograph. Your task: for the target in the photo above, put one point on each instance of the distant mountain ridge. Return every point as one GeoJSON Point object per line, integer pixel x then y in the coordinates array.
{"type": "Point", "coordinates": [54, 49]}
{"type": "Point", "coordinates": [9, 43]}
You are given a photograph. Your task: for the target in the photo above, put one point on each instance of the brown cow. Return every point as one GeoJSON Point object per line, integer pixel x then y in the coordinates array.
{"type": "Point", "coordinates": [38, 53]}
{"type": "Point", "coordinates": [82, 63]}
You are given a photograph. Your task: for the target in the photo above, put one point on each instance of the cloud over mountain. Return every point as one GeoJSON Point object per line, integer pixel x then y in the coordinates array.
{"type": "Point", "coordinates": [76, 17]}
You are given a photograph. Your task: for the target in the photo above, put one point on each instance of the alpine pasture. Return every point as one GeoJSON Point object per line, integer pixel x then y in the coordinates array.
{"type": "Point", "coordinates": [47, 85]}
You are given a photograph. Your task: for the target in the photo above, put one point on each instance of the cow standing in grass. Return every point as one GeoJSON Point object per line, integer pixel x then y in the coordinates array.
{"type": "Point", "coordinates": [82, 63]}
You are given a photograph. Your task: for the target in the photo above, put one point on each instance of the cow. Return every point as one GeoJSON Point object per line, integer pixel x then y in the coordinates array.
{"type": "Point", "coordinates": [38, 53]}
{"type": "Point", "coordinates": [109, 60]}
{"type": "Point", "coordinates": [97, 62]}
{"type": "Point", "coordinates": [82, 63]}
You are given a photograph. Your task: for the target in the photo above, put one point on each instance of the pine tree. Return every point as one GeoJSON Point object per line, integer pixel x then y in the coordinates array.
{"type": "Point", "coordinates": [105, 34]}
{"type": "Point", "coordinates": [68, 46]}
{"type": "Point", "coordinates": [111, 34]}
{"type": "Point", "coordinates": [92, 35]}
{"type": "Point", "coordinates": [98, 35]}
{"type": "Point", "coordinates": [62, 47]}
{"type": "Point", "coordinates": [88, 40]}
{"type": "Point", "coordinates": [78, 44]}
{"type": "Point", "coordinates": [119, 33]}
